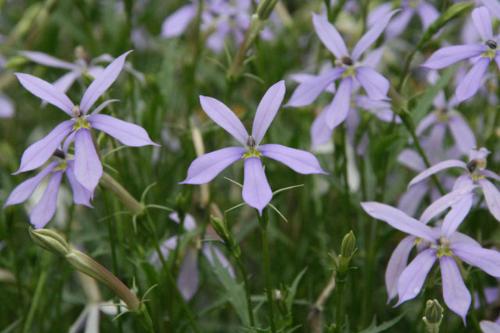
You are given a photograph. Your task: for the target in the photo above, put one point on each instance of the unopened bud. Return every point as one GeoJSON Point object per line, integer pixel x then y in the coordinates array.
{"type": "Point", "coordinates": [433, 316]}
{"type": "Point", "coordinates": [348, 246]}
{"type": "Point", "coordinates": [50, 240]}
{"type": "Point", "coordinates": [266, 8]}
{"type": "Point", "coordinates": [223, 232]}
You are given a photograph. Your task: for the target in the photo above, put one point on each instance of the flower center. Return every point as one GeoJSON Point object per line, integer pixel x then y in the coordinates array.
{"type": "Point", "coordinates": [62, 166]}
{"type": "Point", "coordinates": [443, 249]}
{"type": "Point", "coordinates": [81, 122]}
{"type": "Point", "coordinates": [491, 52]}
{"type": "Point", "coordinates": [442, 115]}
{"type": "Point", "coordinates": [252, 152]}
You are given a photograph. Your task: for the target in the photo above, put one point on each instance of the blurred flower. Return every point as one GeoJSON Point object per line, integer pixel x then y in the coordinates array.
{"type": "Point", "coordinates": [476, 173]}
{"type": "Point", "coordinates": [481, 55]}
{"type": "Point", "coordinates": [440, 243]}
{"type": "Point", "coordinates": [6, 105]}
{"type": "Point", "coordinates": [81, 67]}
{"type": "Point", "coordinates": [188, 280]}
{"type": "Point", "coordinates": [88, 168]}
{"type": "Point", "coordinates": [347, 69]}
{"type": "Point", "coordinates": [489, 326]}
{"type": "Point", "coordinates": [256, 190]}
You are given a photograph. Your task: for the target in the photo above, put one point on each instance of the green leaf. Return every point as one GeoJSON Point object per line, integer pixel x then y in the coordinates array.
{"type": "Point", "coordinates": [382, 327]}
{"type": "Point", "coordinates": [292, 290]}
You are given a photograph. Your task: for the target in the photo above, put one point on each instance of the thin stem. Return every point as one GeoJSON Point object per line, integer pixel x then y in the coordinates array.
{"type": "Point", "coordinates": [314, 316]}
{"type": "Point", "coordinates": [243, 273]}
{"type": "Point", "coordinates": [134, 206]}
{"type": "Point", "coordinates": [339, 310]}
{"type": "Point", "coordinates": [36, 299]}
{"type": "Point", "coordinates": [263, 222]}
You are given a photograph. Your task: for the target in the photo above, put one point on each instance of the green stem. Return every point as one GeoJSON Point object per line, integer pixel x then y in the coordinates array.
{"type": "Point", "coordinates": [263, 222]}
{"type": "Point", "coordinates": [339, 310]}
{"type": "Point", "coordinates": [244, 276]}
{"type": "Point", "coordinates": [134, 206]}
{"type": "Point", "coordinates": [36, 299]}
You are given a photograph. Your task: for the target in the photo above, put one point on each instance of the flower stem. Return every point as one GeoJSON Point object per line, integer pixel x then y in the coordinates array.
{"type": "Point", "coordinates": [134, 206]}
{"type": "Point", "coordinates": [315, 313]}
{"type": "Point", "coordinates": [36, 298]}
{"type": "Point", "coordinates": [244, 276]}
{"type": "Point", "coordinates": [339, 309]}
{"type": "Point", "coordinates": [263, 222]}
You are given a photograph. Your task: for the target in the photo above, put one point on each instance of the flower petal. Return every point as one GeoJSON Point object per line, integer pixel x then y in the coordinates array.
{"type": "Point", "coordinates": [46, 207]}
{"type": "Point", "coordinates": [267, 110]}
{"type": "Point", "coordinates": [102, 82]}
{"type": "Point", "coordinates": [482, 22]}
{"type": "Point", "coordinates": [64, 82]}
{"type": "Point", "coordinates": [492, 197]}
{"type": "Point", "coordinates": [462, 133]}
{"type": "Point", "coordinates": [337, 111]}
{"type": "Point", "coordinates": [88, 167]}
{"type": "Point", "coordinates": [311, 88]}
{"type": "Point", "coordinates": [473, 254]}
{"type": "Point", "coordinates": [428, 13]}
{"type": "Point", "coordinates": [445, 202]}
{"type": "Point", "coordinates": [320, 132]}
{"type": "Point", "coordinates": [225, 118]}
{"type": "Point", "coordinates": [176, 24]}
{"type": "Point", "coordinates": [455, 293]}
{"type": "Point", "coordinates": [413, 277]}
{"type": "Point", "coordinates": [437, 168]}
{"type": "Point", "coordinates": [39, 152]}
{"type": "Point", "coordinates": [24, 190]}
{"type": "Point", "coordinates": [449, 55]}
{"type": "Point", "coordinates": [457, 215]}
{"type": "Point", "coordinates": [493, 6]}
{"type": "Point", "coordinates": [411, 159]}
{"type": "Point", "coordinates": [256, 190]}
{"type": "Point", "coordinates": [397, 264]}
{"type": "Point", "coordinates": [411, 200]}
{"type": "Point", "coordinates": [371, 35]}
{"type": "Point", "coordinates": [472, 81]}
{"type": "Point", "coordinates": [212, 253]}
{"type": "Point", "coordinates": [329, 36]}
{"type": "Point", "coordinates": [298, 160]}
{"type": "Point", "coordinates": [47, 60]}
{"type": "Point", "coordinates": [375, 84]}
{"type": "Point", "coordinates": [127, 133]}
{"type": "Point", "coordinates": [490, 174]}
{"type": "Point", "coordinates": [398, 220]}
{"type": "Point", "coordinates": [189, 277]}
{"type": "Point", "coordinates": [45, 91]}
{"type": "Point", "coordinates": [81, 196]}
{"type": "Point", "coordinates": [203, 169]}
{"type": "Point", "coordinates": [6, 107]}
{"type": "Point", "coordinates": [489, 327]}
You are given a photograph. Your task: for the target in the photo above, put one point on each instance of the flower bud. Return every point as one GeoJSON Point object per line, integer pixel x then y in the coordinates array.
{"type": "Point", "coordinates": [266, 8]}
{"type": "Point", "coordinates": [433, 316]}
{"type": "Point", "coordinates": [223, 232]}
{"type": "Point", "coordinates": [50, 240]}
{"type": "Point", "coordinates": [347, 250]}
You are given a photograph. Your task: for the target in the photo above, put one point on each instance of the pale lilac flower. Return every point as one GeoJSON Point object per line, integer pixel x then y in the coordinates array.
{"type": "Point", "coordinates": [347, 68]}
{"type": "Point", "coordinates": [481, 55]}
{"type": "Point", "coordinates": [88, 168]}
{"type": "Point", "coordinates": [188, 280]}
{"type": "Point", "coordinates": [6, 107]}
{"type": "Point", "coordinates": [475, 173]}
{"type": "Point", "coordinates": [81, 67]}
{"type": "Point", "coordinates": [489, 326]}
{"type": "Point", "coordinates": [45, 209]}
{"type": "Point", "coordinates": [256, 190]}
{"type": "Point", "coordinates": [426, 12]}
{"type": "Point", "coordinates": [443, 244]}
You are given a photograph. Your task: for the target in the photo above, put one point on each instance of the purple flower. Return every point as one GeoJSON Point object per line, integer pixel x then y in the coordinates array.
{"type": "Point", "coordinates": [45, 209]}
{"type": "Point", "coordinates": [88, 168]}
{"type": "Point", "coordinates": [188, 280]}
{"type": "Point", "coordinates": [489, 326]}
{"type": "Point", "coordinates": [480, 54]}
{"type": "Point", "coordinates": [347, 68]}
{"type": "Point", "coordinates": [427, 13]}
{"type": "Point", "coordinates": [82, 66]}
{"type": "Point", "coordinates": [446, 246]}
{"type": "Point", "coordinates": [256, 190]}
{"type": "Point", "coordinates": [6, 107]}
{"type": "Point", "coordinates": [476, 173]}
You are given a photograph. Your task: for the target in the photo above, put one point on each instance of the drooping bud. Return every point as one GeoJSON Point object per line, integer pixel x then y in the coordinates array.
{"type": "Point", "coordinates": [50, 240]}
{"type": "Point", "coordinates": [433, 316]}
{"type": "Point", "coordinates": [266, 8]}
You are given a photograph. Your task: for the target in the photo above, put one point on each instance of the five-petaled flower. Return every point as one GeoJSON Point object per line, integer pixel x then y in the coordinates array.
{"type": "Point", "coordinates": [440, 243]}
{"type": "Point", "coordinates": [481, 56]}
{"type": "Point", "coordinates": [256, 190]}
{"type": "Point", "coordinates": [88, 167]}
{"type": "Point", "coordinates": [347, 68]}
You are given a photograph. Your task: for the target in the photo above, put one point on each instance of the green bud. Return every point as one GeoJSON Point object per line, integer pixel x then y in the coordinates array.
{"type": "Point", "coordinates": [220, 227]}
{"type": "Point", "coordinates": [50, 240]}
{"type": "Point", "coordinates": [433, 316]}
{"type": "Point", "coordinates": [15, 62]}
{"type": "Point", "coordinates": [348, 246]}
{"type": "Point", "coordinates": [265, 9]}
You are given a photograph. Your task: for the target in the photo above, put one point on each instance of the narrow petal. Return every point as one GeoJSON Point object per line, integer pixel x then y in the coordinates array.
{"type": "Point", "coordinates": [445, 202]}
{"type": "Point", "coordinates": [256, 190]}
{"type": "Point", "coordinates": [473, 254]}
{"type": "Point", "coordinates": [455, 293]}
{"type": "Point", "coordinates": [428, 14]}
{"type": "Point", "coordinates": [189, 277]}
{"type": "Point", "coordinates": [211, 253]}
{"type": "Point", "coordinates": [399, 24]}
{"type": "Point", "coordinates": [65, 81]}
{"type": "Point", "coordinates": [413, 277]}
{"type": "Point", "coordinates": [6, 107]}
{"type": "Point", "coordinates": [489, 327]}
{"type": "Point", "coordinates": [397, 264]}
{"type": "Point", "coordinates": [437, 168]}
{"type": "Point", "coordinates": [298, 160]}
{"type": "Point", "coordinates": [81, 196]}
{"type": "Point", "coordinates": [24, 190]}
{"type": "Point", "coordinates": [102, 82]}
{"type": "Point", "coordinates": [425, 123]}
{"type": "Point", "coordinates": [337, 111]}
{"type": "Point", "coordinates": [88, 167]}
{"type": "Point", "coordinates": [267, 110]}
{"type": "Point", "coordinates": [449, 55]}
{"type": "Point", "coordinates": [225, 118]}
{"type": "Point", "coordinates": [203, 169]}
{"type": "Point", "coordinates": [311, 88]}
{"type": "Point", "coordinates": [39, 152]}
{"type": "Point", "coordinates": [375, 84]}
{"type": "Point", "coordinates": [47, 60]}
{"type": "Point", "coordinates": [472, 81]}
{"type": "Point", "coordinates": [411, 200]}
{"type": "Point", "coordinates": [320, 132]}
{"type": "Point", "coordinates": [457, 215]}
{"type": "Point", "coordinates": [127, 133]}
{"type": "Point", "coordinates": [462, 133]}
{"type": "Point", "coordinates": [371, 35]}
{"type": "Point", "coordinates": [493, 6]}
{"type": "Point", "coordinates": [46, 207]}
{"type": "Point", "coordinates": [398, 220]}
{"type": "Point", "coordinates": [176, 24]}
{"type": "Point", "coordinates": [492, 197]}
{"type": "Point", "coordinates": [46, 91]}
{"type": "Point", "coordinates": [411, 159]}
{"type": "Point", "coordinates": [490, 174]}
{"type": "Point", "coordinates": [482, 22]}
{"type": "Point", "coordinates": [329, 36]}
